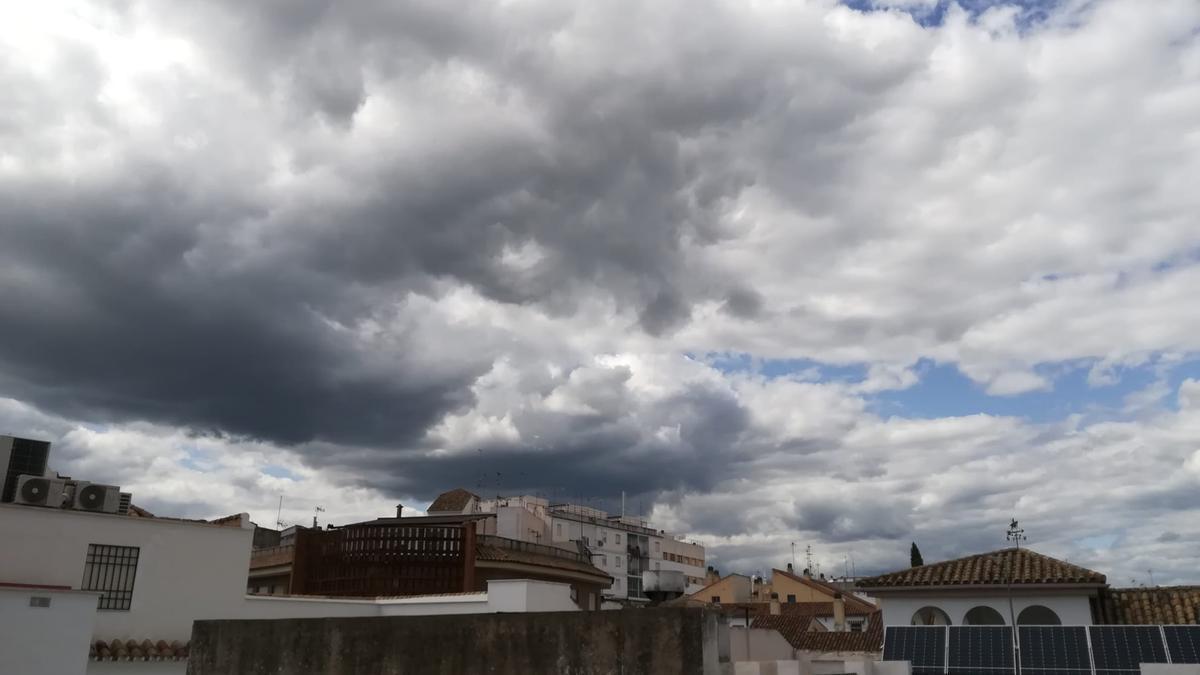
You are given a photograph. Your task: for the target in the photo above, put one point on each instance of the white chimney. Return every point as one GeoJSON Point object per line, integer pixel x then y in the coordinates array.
{"type": "Point", "coordinates": [775, 604]}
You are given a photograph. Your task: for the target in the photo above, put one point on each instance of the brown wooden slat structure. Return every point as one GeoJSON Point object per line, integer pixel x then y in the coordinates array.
{"type": "Point", "coordinates": [385, 559]}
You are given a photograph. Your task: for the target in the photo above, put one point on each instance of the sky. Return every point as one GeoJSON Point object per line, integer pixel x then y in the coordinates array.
{"type": "Point", "coordinates": [841, 274]}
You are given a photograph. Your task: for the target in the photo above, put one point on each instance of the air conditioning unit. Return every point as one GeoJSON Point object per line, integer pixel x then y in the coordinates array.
{"type": "Point", "coordinates": [39, 491]}
{"type": "Point", "coordinates": [126, 501]}
{"type": "Point", "coordinates": [96, 497]}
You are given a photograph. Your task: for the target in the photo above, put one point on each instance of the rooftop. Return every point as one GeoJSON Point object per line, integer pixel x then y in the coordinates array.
{"type": "Point", "coordinates": [453, 500]}
{"type": "Point", "coordinates": [994, 568]}
{"type": "Point", "coordinates": [1157, 605]}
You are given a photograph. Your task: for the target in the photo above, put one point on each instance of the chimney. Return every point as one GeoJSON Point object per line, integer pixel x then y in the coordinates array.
{"type": "Point", "coordinates": [790, 568]}
{"type": "Point", "coordinates": [399, 510]}
{"type": "Point", "coordinates": [839, 612]}
{"type": "Point", "coordinates": [774, 604]}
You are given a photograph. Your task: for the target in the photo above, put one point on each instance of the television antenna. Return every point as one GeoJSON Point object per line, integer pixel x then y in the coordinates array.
{"type": "Point", "coordinates": [319, 509]}
{"type": "Point", "coordinates": [279, 514]}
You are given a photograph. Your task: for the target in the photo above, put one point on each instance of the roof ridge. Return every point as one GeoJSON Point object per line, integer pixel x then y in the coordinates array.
{"type": "Point", "coordinates": [1026, 567]}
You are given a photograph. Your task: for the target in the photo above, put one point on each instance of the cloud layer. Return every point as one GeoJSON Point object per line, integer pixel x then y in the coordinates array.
{"type": "Point", "coordinates": [357, 254]}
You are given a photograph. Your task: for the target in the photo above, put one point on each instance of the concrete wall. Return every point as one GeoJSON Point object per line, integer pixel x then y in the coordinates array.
{"type": "Point", "coordinates": [633, 642]}
{"type": "Point", "coordinates": [185, 570]}
{"type": "Point", "coordinates": [1073, 610]}
{"type": "Point", "coordinates": [759, 644]}
{"type": "Point", "coordinates": [45, 640]}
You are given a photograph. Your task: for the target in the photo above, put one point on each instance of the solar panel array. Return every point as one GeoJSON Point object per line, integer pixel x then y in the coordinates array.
{"type": "Point", "coordinates": [1044, 650]}
{"type": "Point", "coordinates": [922, 646]}
{"type": "Point", "coordinates": [1054, 650]}
{"type": "Point", "coordinates": [1183, 643]}
{"type": "Point", "coordinates": [980, 650]}
{"type": "Point", "coordinates": [1118, 650]}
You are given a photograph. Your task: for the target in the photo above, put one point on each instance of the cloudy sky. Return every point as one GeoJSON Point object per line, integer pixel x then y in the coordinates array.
{"type": "Point", "coordinates": [846, 274]}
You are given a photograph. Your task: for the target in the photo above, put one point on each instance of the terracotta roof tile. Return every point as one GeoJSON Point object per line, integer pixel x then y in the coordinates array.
{"type": "Point", "coordinates": [454, 500]}
{"type": "Point", "coordinates": [1166, 605]}
{"type": "Point", "coordinates": [1027, 567]}
{"type": "Point", "coordinates": [796, 627]}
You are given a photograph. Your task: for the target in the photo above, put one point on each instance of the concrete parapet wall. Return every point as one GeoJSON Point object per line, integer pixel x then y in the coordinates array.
{"type": "Point", "coordinates": [629, 642]}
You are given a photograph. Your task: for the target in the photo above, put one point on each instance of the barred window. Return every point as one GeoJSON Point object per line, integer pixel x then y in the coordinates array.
{"type": "Point", "coordinates": [111, 570]}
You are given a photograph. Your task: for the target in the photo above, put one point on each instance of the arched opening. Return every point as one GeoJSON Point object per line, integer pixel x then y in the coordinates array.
{"type": "Point", "coordinates": [1037, 615]}
{"type": "Point", "coordinates": [930, 616]}
{"type": "Point", "coordinates": [983, 616]}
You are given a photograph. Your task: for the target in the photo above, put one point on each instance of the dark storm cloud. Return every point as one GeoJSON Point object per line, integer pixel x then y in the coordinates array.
{"type": "Point", "coordinates": [137, 300]}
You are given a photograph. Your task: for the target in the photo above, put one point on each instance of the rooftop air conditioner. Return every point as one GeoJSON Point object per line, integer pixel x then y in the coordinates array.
{"type": "Point", "coordinates": [39, 491]}
{"type": "Point", "coordinates": [126, 501]}
{"type": "Point", "coordinates": [96, 497]}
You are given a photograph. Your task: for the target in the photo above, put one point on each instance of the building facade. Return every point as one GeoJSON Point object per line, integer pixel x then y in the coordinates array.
{"type": "Point", "coordinates": [623, 547]}
{"type": "Point", "coordinates": [997, 588]}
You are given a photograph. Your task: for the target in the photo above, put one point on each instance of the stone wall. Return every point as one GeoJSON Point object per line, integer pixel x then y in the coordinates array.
{"type": "Point", "coordinates": [670, 641]}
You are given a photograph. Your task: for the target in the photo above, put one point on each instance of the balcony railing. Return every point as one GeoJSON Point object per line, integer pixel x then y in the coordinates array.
{"type": "Point", "coordinates": [527, 547]}
{"type": "Point", "coordinates": [272, 555]}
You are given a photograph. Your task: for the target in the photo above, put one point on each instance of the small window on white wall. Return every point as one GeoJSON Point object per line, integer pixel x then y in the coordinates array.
{"type": "Point", "coordinates": [618, 536]}
{"type": "Point", "coordinates": [558, 530]}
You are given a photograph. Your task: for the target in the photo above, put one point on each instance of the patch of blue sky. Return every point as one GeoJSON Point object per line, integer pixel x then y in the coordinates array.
{"type": "Point", "coordinates": [1032, 12]}
{"type": "Point", "coordinates": [195, 459]}
{"type": "Point", "coordinates": [802, 369]}
{"type": "Point", "coordinates": [279, 472]}
{"type": "Point", "coordinates": [943, 390]}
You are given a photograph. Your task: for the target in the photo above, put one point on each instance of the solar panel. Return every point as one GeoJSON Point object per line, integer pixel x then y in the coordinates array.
{"type": "Point", "coordinates": [981, 650]}
{"type": "Point", "coordinates": [1054, 648]}
{"type": "Point", "coordinates": [1183, 642]}
{"type": "Point", "coordinates": [1120, 650]}
{"type": "Point", "coordinates": [923, 646]}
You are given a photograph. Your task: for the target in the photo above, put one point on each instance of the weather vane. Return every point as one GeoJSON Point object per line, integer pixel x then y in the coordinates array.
{"type": "Point", "coordinates": [1015, 534]}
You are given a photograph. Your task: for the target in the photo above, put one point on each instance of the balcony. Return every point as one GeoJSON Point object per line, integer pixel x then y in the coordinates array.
{"type": "Point", "coordinates": [272, 556]}
{"type": "Point", "coordinates": [527, 547]}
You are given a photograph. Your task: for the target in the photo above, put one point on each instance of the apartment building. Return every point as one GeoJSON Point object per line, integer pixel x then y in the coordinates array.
{"type": "Point", "coordinates": [624, 547]}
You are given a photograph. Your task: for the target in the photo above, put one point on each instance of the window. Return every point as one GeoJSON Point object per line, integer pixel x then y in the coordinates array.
{"type": "Point", "coordinates": [983, 616]}
{"type": "Point", "coordinates": [111, 570]}
{"type": "Point", "coordinates": [603, 560]}
{"type": "Point", "coordinates": [856, 626]}
{"type": "Point", "coordinates": [558, 530]}
{"type": "Point", "coordinates": [656, 547]}
{"type": "Point", "coordinates": [618, 539]}
{"type": "Point", "coordinates": [618, 562]}
{"type": "Point", "coordinates": [791, 598]}
{"type": "Point", "coordinates": [617, 582]}
{"type": "Point", "coordinates": [930, 616]}
{"type": "Point", "coordinates": [716, 599]}
{"type": "Point", "coordinates": [1037, 615]}
{"type": "Point", "coordinates": [37, 601]}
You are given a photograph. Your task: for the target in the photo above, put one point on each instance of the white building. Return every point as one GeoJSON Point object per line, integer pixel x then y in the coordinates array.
{"type": "Point", "coordinates": [993, 588]}
{"type": "Point", "coordinates": [621, 546]}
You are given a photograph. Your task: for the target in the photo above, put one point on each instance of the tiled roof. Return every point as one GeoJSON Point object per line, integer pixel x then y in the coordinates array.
{"type": "Point", "coordinates": [454, 500]}
{"type": "Point", "coordinates": [854, 605]}
{"type": "Point", "coordinates": [991, 568]}
{"type": "Point", "coordinates": [796, 627]}
{"type": "Point", "coordinates": [131, 650]}
{"type": "Point", "coordinates": [485, 552]}
{"type": "Point", "coordinates": [1168, 605]}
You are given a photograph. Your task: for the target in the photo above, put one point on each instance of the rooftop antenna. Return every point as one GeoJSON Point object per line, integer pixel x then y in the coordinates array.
{"type": "Point", "coordinates": [793, 555]}
{"type": "Point", "coordinates": [1151, 573]}
{"type": "Point", "coordinates": [319, 509]}
{"type": "Point", "coordinates": [279, 514]}
{"type": "Point", "coordinates": [1016, 535]}
{"type": "Point", "coordinates": [808, 563]}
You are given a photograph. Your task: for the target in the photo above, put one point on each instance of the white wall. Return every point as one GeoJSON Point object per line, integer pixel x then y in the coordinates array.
{"type": "Point", "coordinates": [45, 640]}
{"type": "Point", "coordinates": [185, 571]}
{"type": "Point", "coordinates": [898, 608]}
